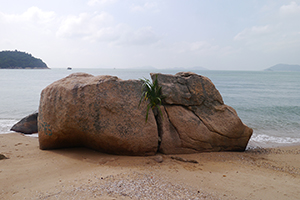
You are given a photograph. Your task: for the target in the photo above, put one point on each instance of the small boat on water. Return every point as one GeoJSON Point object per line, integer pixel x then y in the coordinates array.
{"type": "Point", "coordinates": [69, 68]}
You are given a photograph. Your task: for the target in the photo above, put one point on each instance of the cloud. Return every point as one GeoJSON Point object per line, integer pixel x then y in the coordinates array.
{"type": "Point", "coordinates": [33, 14]}
{"type": "Point", "coordinates": [145, 7]}
{"type": "Point", "coordinates": [198, 46]}
{"type": "Point", "coordinates": [39, 16]}
{"type": "Point", "coordinates": [202, 49]}
{"type": "Point", "coordinates": [281, 34]}
{"type": "Point", "coordinates": [84, 25]}
{"type": "Point", "coordinates": [101, 28]}
{"type": "Point", "coordinates": [92, 27]}
{"type": "Point", "coordinates": [291, 9]}
{"type": "Point", "coordinates": [142, 36]}
{"type": "Point", "coordinates": [100, 2]}
{"type": "Point", "coordinates": [21, 28]}
{"type": "Point", "coordinates": [254, 31]}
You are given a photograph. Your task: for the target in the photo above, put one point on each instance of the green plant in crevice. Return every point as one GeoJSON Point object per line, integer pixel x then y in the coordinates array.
{"type": "Point", "coordinates": [151, 92]}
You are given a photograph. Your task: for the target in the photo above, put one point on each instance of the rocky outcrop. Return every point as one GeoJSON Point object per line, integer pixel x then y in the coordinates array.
{"type": "Point", "coordinates": [102, 113]}
{"type": "Point", "coordinates": [195, 118]}
{"type": "Point", "coordinates": [99, 112]}
{"type": "Point", "coordinates": [27, 125]}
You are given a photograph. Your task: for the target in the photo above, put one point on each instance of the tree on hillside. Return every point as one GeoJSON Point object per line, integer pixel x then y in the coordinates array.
{"type": "Point", "coordinates": [20, 60]}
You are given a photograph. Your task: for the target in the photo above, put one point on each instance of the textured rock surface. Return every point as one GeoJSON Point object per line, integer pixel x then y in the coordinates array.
{"type": "Point", "coordinates": [99, 112]}
{"type": "Point", "coordinates": [102, 113]}
{"type": "Point", "coordinates": [187, 89]}
{"type": "Point", "coordinates": [195, 118]}
{"type": "Point", "coordinates": [27, 125]}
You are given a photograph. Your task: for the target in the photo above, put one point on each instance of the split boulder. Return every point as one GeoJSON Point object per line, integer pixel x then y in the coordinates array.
{"type": "Point", "coordinates": [102, 113]}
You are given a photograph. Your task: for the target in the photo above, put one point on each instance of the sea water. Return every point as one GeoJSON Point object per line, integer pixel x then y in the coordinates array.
{"type": "Point", "coordinates": [268, 102]}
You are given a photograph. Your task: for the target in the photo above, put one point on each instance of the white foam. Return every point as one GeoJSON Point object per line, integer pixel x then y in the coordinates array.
{"type": "Point", "coordinates": [274, 139]}
{"type": "Point", "coordinates": [35, 135]}
{"type": "Point", "coordinates": [6, 124]}
{"type": "Point", "coordinates": [263, 140]}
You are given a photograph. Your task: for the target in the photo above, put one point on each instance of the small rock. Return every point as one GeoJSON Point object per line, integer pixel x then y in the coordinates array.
{"type": "Point", "coordinates": [2, 157]}
{"type": "Point", "coordinates": [27, 125]}
{"type": "Point", "coordinates": [183, 159]}
{"type": "Point", "coordinates": [158, 159]}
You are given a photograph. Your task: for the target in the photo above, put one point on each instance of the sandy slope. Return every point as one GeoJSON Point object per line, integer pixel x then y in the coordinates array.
{"type": "Point", "coordinates": [79, 173]}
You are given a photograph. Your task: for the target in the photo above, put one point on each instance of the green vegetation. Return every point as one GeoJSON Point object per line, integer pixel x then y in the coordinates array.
{"type": "Point", "coordinates": [151, 92]}
{"type": "Point", "coordinates": [20, 60]}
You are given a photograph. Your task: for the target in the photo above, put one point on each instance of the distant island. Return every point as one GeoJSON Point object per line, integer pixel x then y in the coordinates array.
{"type": "Point", "coordinates": [20, 60]}
{"type": "Point", "coordinates": [284, 68]}
{"type": "Point", "coordinates": [189, 68]}
{"type": "Point", "coordinates": [199, 68]}
{"type": "Point", "coordinates": [171, 68]}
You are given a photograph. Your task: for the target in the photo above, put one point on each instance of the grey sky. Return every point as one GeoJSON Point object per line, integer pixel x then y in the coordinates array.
{"type": "Point", "coordinates": [215, 34]}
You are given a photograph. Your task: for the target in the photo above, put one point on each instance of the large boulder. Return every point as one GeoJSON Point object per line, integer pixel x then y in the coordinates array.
{"type": "Point", "coordinates": [98, 112]}
{"type": "Point", "coordinates": [102, 113]}
{"type": "Point", "coordinates": [195, 118]}
{"type": "Point", "coordinates": [27, 125]}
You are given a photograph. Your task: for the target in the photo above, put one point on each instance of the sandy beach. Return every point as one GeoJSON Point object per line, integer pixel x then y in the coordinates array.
{"type": "Point", "coordinates": [79, 173]}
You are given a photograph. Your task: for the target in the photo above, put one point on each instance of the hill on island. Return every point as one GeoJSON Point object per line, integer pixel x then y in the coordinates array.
{"type": "Point", "coordinates": [20, 60]}
{"type": "Point", "coordinates": [199, 68]}
{"type": "Point", "coordinates": [284, 68]}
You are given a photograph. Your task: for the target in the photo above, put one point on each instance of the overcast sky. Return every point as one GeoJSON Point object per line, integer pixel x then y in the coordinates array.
{"type": "Point", "coordinates": [215, 34]}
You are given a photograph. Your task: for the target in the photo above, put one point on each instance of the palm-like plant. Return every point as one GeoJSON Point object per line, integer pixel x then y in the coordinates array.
{"type": "Point", "coordinates": [151, 92]}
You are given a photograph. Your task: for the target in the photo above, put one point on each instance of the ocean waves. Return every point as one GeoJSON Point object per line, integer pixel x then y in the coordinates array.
{"type": "Point", "coordinates": [264, 141]}
{"type": "Point", "coordinates": [6, 124]}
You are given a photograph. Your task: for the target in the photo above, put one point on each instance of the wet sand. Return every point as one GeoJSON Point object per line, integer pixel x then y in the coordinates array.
{"type": "Point", "coordinates": [79, 173]}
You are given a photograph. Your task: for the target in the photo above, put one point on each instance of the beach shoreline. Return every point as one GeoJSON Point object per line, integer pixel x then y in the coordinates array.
{"type": "Point", "coordinates": [80, 173]}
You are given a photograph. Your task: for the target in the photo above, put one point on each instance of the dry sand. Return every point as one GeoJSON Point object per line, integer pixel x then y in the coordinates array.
{"type": "Point", "coordinates": [79, 173]}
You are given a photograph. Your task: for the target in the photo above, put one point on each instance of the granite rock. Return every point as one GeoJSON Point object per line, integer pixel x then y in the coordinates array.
{"type": "Point", "coordinates": [98, 112]}
{"type": "Point", "coordinates": [195, 118]}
